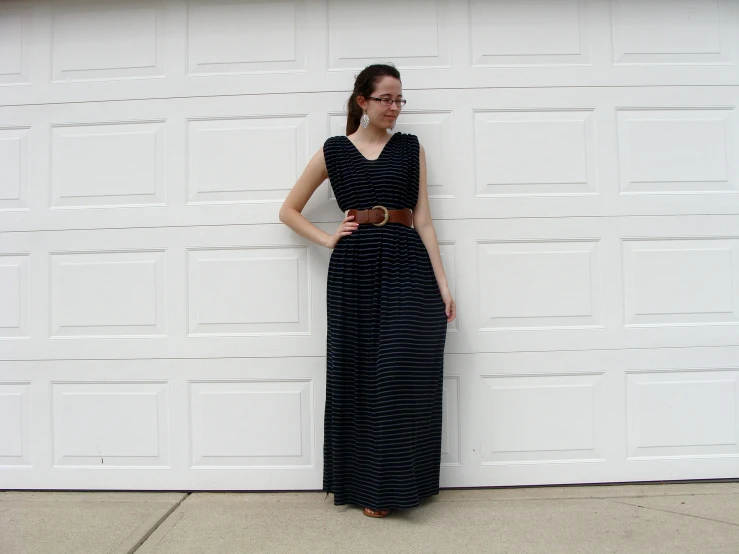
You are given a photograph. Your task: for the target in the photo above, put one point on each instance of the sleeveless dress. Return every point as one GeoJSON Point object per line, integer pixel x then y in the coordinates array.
{"type": "Point", "coordinates": [385, 343]}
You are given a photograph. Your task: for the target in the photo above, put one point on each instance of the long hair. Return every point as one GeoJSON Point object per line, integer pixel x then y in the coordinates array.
{"type": "Point", "coordinates": [364, 85]}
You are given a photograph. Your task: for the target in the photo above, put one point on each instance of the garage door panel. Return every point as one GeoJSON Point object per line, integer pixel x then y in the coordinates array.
{"type": "Point", "coordinates": [16, 23]}
{"type": "Point", "coordinates": [108, 165]}
{"type": "Point", "coordinates": [129, 38]}
{"type": "Point", "coordinates": [659, 33]}
{"type": "Point", "coordinates": [158, 424]}
{"type": "Point", "coordinates": [15, 165]}
{"type": "Point", "coordinates": [603, 283]}
{"type": "Point", "coordinates": [535, 153]}
{"type": "Point", "coordinates": [176, 52]}
{"type": "Point", "coordinates": [681, 282]}
{"type": "Point", "coordinates": [106, 424]}
{"type": "Point", "coordinates": [491, 155]}
{"type": "Point", "coordinates": [425, 43]}
{"type": "Point", "coordinates": [561, 386]}
{"type": "Point", "coordinates": [245, 160]}
{"type": "Point", "coordinates": [539, 284]}
{"type": "Point", "coordinates": [236, 38]}
{"type": "Point", "coordinates": [161, 328]}
{"type": "Point", "coordinates": [576, 283]}
{"type": "Point", "coordinates": [663, 421]}
{"type": "Point", "coordinates": [248, 291]}
{"type": "Point", "coordinates": [242, 291]}
{"type": "Point", "coordinates": [684, 151]}
{"type": "Point", "coordinates": [505, 34]}
{"type": "Point", "coordinates": [572, 417]}
{"type": "Point", "coordinates": [15, 296]}
{"type": "Point", "coordinates": [253, 424]}
{"type": "Point", "coordinates": [107, 294]}
{"type": "Point", "coordinates": [16, 432]}
{"type": "Point", "coordinates": [532, 418]}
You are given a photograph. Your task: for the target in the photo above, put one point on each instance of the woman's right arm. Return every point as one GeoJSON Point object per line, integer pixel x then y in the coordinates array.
{"type": "Point", "coordinates": [314, 174]}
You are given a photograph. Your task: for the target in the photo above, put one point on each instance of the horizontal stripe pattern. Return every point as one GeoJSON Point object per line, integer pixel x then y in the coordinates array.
{"type": "Point", "coordinates": [385, 343]}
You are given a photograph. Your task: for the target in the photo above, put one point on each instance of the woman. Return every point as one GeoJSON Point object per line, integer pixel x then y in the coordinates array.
{"type": "Point", "coordinates": [388, 305]}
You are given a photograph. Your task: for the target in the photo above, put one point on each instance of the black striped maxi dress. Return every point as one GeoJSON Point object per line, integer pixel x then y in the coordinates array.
{"type": "Point", "coordinates": [386, 335]}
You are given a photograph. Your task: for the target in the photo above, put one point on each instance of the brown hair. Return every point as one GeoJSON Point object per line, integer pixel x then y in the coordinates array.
{"type": "Point", "coordinates": [364, 85]}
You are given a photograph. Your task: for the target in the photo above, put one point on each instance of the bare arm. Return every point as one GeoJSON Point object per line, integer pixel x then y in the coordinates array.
{"type": "Point", "coordinates": [425, 228]}
{"type": "Point", "coordinates": [313, 175]}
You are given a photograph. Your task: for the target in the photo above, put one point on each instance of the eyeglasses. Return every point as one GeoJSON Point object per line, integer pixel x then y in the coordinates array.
{"type": "Point", "coordinates": [385, 101]}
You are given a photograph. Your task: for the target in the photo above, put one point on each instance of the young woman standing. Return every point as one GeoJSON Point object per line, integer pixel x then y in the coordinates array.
{"type": "Point", "coordinates": [388, 305]}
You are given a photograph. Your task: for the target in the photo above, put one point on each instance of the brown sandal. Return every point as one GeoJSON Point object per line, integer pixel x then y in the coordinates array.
{"type": "Point", "coordinates": [382, 512]}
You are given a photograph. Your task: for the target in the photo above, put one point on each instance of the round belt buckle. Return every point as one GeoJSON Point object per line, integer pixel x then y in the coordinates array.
{"type": "Point", "coordinates": [387, 216]}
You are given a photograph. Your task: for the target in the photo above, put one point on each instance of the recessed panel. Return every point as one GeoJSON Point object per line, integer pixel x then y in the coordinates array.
{"type": "Point", "coordinates": [534, 153]}
{"type": "Point", "coordinates": [690, 413]}
{"type": "Point", "coordinates": [108, 294]}
{"type": "Point", "coordinates": [16, 22]}
{"type": "Point", "coordinates": [107, 425]}
{"type": "Point", "coordinates": [537, 418]}
{"type": "Point", "coordinates": [539, 285]}
{"type": "Point", "coordinates": [15, 296]}
{"type": "Point", "coordinates": [248, 291]}
{"type": "Point", "coordinates": [409, 33]}
{"type": "Point", "coordinates": [245, 37]}
{"type": "Point", "coordinates": [251, 423]}
{"type": "Point", "coordinates": [668, 32]}
{"type": "Point", "coordinates": [537, 32]}
{"type": "Point", "coordinates": [108, 165]}
{"type": "Point", "coordinates": [681, 282]}
{"type": "Point", "coordinates": [246, 160]}
{"type": "Point", "coordinates": [450, 436]}
{"type": "Point", "coordinates": [11, 44]}
{"type": "Point", "coordinates": [15, 165]}
{"type": "Point", "coordinates": [678, 151]}
{"type": "Point", "coordinates": [112, 40]}
{"type": "Point", "coordinates": [15, 424]}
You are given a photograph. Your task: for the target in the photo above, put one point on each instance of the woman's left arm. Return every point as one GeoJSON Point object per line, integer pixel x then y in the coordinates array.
{"type": "Point", "coordinates": [425, 228]}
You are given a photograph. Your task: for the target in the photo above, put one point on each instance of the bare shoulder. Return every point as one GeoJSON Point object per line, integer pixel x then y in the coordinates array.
{"type": "Point", "coordinates": [319, 157]}
{"type": "Point", "coordinates": [421, 151]}
{"type": "Point", "coordinates": [317, 164]}
{"type": "Point", "coordinates": [315, 171]}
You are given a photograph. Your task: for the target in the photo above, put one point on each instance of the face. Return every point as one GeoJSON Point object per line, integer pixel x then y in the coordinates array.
{"type": "Point", "coordinates": [379, 114]}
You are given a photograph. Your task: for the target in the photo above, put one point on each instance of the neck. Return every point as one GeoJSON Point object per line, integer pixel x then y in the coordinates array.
{"type": "Point", "coordinates": [372, 134]}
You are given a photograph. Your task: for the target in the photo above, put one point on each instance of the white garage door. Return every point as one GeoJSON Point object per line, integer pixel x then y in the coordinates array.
{"type": "Point", "coordinates": [162, 330]}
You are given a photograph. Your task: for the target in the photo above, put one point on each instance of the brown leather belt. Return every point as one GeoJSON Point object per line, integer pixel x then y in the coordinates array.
{"type": "Point", "coordinates": [380, 215]}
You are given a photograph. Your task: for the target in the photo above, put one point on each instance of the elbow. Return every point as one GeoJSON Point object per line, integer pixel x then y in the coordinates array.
{"type": "Point", "coordinates": [282, 214]}
{"type": "Point", "coordinates": [286, 214]}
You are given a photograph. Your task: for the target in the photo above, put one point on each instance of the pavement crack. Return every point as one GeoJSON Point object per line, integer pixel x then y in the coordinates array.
{"type": "Point", "coordinates": [674, 512]}
{"type": "Point", "coordinates": [158, 524]}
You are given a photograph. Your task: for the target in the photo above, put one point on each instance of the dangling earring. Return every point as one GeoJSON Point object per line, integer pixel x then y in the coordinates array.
{"type": "Point", "coordinates": [364, 121]}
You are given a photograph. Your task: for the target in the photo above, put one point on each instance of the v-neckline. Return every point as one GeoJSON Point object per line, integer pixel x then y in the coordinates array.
{"type": "Point", "coordinates": [381, 151]}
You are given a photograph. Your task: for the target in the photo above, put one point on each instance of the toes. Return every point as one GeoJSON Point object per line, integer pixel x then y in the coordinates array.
{"type": "Point", "coordinates": [377, 513]}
